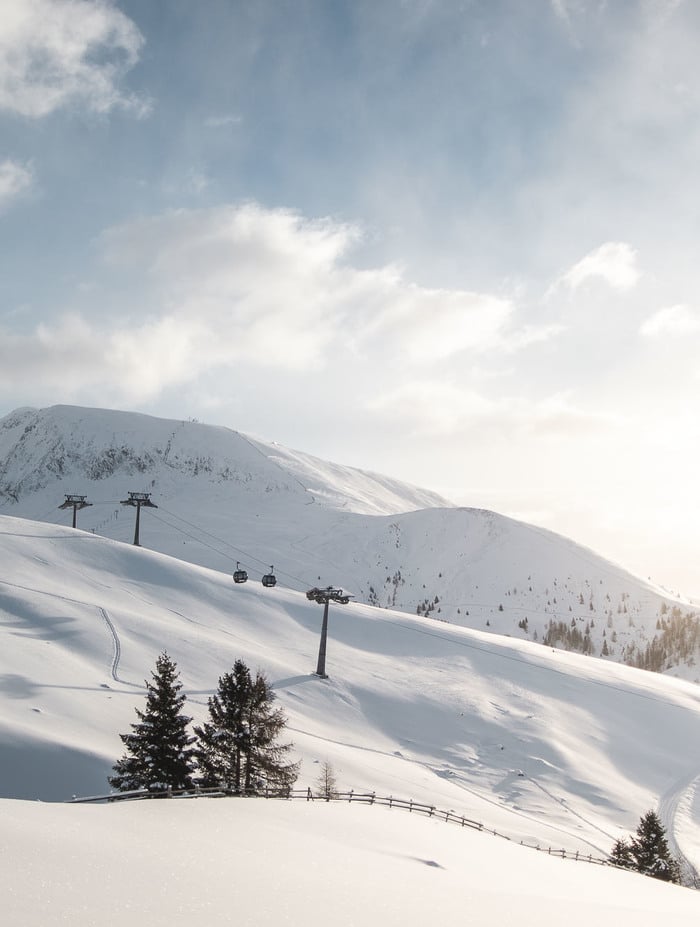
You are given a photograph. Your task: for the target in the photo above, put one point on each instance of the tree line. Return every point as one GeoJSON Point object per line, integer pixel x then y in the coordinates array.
{"type": "Point", "coordinates": [237, 747]}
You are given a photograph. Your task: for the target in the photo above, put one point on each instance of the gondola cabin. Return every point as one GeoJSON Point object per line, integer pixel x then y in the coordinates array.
{"type": "Point", "coordinates": [269, 579]}
{"type": "Point", "coordinates": [239, 575]}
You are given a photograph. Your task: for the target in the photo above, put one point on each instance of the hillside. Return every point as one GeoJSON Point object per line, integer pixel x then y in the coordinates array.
{"type": "Point", "coordinates": [175, 864]}
{"type": "Point", "coordinates": [544, 746]}
{"type": "Point", "coordinates": [223, 497]}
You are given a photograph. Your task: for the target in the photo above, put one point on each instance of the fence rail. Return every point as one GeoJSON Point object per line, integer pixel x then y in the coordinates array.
{"type": "Point", "coordinates": [366, 798]}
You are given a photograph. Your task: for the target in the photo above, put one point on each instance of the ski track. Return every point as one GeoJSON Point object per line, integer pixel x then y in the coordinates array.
{"type": "Point", "coordinates": [667, 811]}
{"type": "Point", "coordinates": [567, 807]}
{"type": "Point", "coordinates": [465, 788]}
{"type": "Point", "coordinates": [116, 650]}
{"type": "Point", "coordinates": [116, 643]}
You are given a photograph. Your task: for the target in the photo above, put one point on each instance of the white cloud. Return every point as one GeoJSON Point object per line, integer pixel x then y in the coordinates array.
{"type": "Point", "coordinates": [434, 408]}
{"type": "Point", "coordinates": [193, 183]}
{"type": "Point", "coordinates": [220, 122]}
{"type": "Point", "coordinates": [672, 320]}
{"type": "Point", "coordinates": [565, 11]}
{"type": "Point", "coordinates": [615, 262]}
{"type": "Point", "coordinates": [238, 287]}
{"type": "Point", "coordinates": [54, 53]}
{"type": "Point", "coordinates": [14, 180]}
{"type": "Point", "coordinates": [424, 324]}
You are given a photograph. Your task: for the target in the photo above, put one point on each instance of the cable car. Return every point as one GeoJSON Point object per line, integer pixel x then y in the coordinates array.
{"type": "Point", "coordinates": [269, 579]}
{"type": "Point", "coordinates": [239, 575]}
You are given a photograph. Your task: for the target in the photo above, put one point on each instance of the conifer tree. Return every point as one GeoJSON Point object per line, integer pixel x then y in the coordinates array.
{"type": "Point", "coordinates": [648, 851]}
{"type": "Point", "coordinates": [158, 752]}
{"type": "Point", "coordinates": [238, 745]}
{"type": "Point", "coordinates": [622, 855]}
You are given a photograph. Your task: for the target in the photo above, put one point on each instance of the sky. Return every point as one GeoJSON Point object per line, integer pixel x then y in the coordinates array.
{"type": "Point", "coordinates": [449, 241]}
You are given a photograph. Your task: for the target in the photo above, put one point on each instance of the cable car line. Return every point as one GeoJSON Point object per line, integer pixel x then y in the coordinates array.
{"type": "Point", "coordinates": [271, 578]}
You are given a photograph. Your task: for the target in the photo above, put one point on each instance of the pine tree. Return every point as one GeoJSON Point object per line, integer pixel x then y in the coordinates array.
{"type": "Point", "coordinates": [158, 753]}
{"type": "Point", "coordinates": [238, 745]}
{"type": "Point", "coordinates": [622, 855]}
{"type": "Point", "coordinates": [650, 850]}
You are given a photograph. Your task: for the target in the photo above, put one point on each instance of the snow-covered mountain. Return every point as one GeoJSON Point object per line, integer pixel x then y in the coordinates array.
{"type": "Point", "coordinates": [543, 746]}
{"type": "Point", "coordinates": [224, 498]}
{"type": "Point", "coordinates": [549, 749]}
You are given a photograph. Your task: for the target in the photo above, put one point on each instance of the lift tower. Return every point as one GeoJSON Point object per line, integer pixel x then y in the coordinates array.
{"type": "Point", "coordinates": [323, 597]}
{"type": "Point", "coordinates": [75, 502]}
{"type": "Point", "coordinates": [139, 499]}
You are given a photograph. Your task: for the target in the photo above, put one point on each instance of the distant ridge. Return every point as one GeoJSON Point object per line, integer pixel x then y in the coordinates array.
{"type": "Point", "coordinates": [224, 497]}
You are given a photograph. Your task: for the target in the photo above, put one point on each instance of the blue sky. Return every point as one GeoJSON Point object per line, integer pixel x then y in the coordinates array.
{"type": "Point", "coordinates": [455, 242]}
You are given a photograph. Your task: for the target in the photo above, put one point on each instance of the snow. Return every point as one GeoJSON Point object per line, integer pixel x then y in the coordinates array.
{"type": "Point", "coordinates": [224, 497]}
{"type": "Point", "coordinates": [251, 861]}
{"type": "Point", "coordinates": [545, 747]}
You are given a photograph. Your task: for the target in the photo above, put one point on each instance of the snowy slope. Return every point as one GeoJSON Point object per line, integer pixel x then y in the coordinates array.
{"type": "Point", "coordinates": [541, 745]}
{"type": "Point", "coordinates": [223, 497]}
{"type": "Point", "coordinates": [251, 862]}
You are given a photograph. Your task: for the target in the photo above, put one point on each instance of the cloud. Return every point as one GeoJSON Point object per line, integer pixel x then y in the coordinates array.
{"type": "Point", "coordinates": [565, 11]}
{"type": "Point", "coordinates": [220, 122]}
{"type": "Point", "coordinates": [15, 179]}
{"type": "Point", "coordinates": [56, 53]}
{"type": "Point", "coordinates": [672, 320]}
{"type": "Point", "coordinates": [73, 356]}
{"type": "Point", "coordinates": [615, 262]}
{"type": "Point", "coordinates": [425, 324]}
{"type": "Point", "coordinates": [242, 287]}
{"type": "Point", "coordinates": [431, 408]}
{"type": "Point", "coordinates": [267, 285]}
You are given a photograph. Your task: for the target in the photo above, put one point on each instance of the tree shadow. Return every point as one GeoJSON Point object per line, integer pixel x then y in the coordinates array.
{"type": "Point", "coordinates": [24, 766]}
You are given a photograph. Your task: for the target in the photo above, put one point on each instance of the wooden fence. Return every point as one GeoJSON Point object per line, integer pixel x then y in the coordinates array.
{"type": "Point", "coordinates": [366, 798]}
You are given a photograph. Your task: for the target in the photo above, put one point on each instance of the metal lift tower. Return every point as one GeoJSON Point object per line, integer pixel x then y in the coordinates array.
{"type": "Point", "coordinates": [139, 499]}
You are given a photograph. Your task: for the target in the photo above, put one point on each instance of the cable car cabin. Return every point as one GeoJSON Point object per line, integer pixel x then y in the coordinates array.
{"type": "Point", "coordinates": [269, 579]}
{"type": "Point", "coordinates": [239, 575]}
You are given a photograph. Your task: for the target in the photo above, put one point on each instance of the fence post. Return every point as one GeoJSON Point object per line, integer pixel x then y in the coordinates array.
{"type": "Point", "coordinates": [372, 799]}
{"type": "Point", "coordinates": [390, 800]}
{"type": "Point", "coordinates": [410, 805]}
{"type": "Point", "coordinates": [350, 795]}
{"type": "Point", "coordinates": [308, 793]}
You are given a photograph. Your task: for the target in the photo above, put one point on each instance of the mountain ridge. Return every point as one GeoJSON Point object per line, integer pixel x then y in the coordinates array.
{"type": "Point", "coordinates": [224, 497]}
{"type": "Point", "coordinates": [538, 744]}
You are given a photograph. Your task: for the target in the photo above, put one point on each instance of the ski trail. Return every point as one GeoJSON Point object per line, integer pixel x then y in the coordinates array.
{"type": "Point", "coordinates": [564, 804]}
{"type": "Point", "coordinates": [116, 650]}
{"type": "Point", "coordinates": [668, 807]}
{"type": "Point", "coordinates": [460, 784]}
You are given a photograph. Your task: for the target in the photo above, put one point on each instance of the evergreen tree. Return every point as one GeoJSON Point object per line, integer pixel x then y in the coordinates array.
{"type": "Point", "coordinates": [622, 855]}
{"type": "Point", "coordinates": [648, 851]}
{"type": "Point", "coordinates": [238, 745]}
{"type": "Point", "coordinates": [158, 753]}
